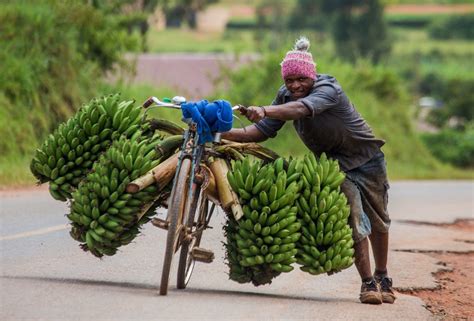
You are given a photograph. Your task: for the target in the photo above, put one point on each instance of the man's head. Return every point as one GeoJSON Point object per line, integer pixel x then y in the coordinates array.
{"type": "Point", "coordinates": [299, 86]}
{"type": "Point", "coordinates": [298, 69]}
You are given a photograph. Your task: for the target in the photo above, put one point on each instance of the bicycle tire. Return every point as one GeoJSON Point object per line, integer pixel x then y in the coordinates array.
{"type": "Point", "coordinates": [175, 214]}
{"type": "Point", "coordinates": [185, 267]}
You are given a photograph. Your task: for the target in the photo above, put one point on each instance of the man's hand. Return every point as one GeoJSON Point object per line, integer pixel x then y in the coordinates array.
{"type": "Point", "coordinates": [254, 114]}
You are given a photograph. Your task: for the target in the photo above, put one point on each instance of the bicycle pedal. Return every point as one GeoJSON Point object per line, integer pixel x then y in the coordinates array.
{"type": "Point", "coordinates": [158, 222]}
{"type": "Point", "coordinates": [202, 255]}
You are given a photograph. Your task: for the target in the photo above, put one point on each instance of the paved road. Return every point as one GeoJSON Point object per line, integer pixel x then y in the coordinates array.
{"type": "Point", "coordinates": [45, 276]}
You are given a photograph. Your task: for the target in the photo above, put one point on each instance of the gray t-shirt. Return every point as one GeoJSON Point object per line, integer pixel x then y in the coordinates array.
{"type": "Point", "coordinates": [333, 127]}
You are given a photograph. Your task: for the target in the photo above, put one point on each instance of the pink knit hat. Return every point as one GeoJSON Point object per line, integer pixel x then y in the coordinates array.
{"type": "Point", "coordinates": [299, 62]}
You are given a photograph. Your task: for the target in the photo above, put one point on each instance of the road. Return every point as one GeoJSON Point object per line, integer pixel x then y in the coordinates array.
{"type": "Point", "coordinates": [46, 276]}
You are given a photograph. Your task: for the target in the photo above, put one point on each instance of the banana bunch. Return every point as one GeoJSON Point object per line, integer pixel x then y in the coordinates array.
{"type": "Point", "coordinates": [103, 214]}
{"type": "Point", "coordinates": [258, 274]}
{"type": "Point", "coordinates": [262, 244]}
{"type": "Point", "coordinates": [326, 241]}
{"type": "Point", "coordinates": [67, 155]}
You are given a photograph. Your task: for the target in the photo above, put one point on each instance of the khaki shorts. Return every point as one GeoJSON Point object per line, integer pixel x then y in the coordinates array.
{"type": "Point", "coordinates": [366, 188]}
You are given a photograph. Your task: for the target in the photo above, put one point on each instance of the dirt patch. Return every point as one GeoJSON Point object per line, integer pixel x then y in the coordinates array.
{"type": "Point", "coordinates": [18, 190]}
{"type": "Point", "coordinates": [429, 8]}
{"type": "Point", "coordinates": [459, 224]}
{"type": "Point", "coordinates": [453, 299]}
{"type": "Point", "coordinates": [242, 11]}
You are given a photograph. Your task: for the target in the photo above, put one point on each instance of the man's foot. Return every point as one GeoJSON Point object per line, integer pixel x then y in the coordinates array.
{"type": "Point", "coordinates": [385, 283]}
{"type": "Point", "coordinates": [369, 292]}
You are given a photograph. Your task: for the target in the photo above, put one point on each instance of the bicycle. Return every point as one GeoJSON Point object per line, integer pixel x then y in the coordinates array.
{"type": "Point", "coordinates": [185, 202]}
{"type": "Point", "coordinates": [194, 174]}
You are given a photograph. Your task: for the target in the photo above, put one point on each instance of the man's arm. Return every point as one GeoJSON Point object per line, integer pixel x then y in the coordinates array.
{"type": "Point", "coordinates": [288, 111]}
{"type": "Point", "coordinates": [250, 134]}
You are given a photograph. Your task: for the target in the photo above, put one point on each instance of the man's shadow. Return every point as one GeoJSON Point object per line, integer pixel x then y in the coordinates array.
{"type": "Point", "coordinates": [152, 290]}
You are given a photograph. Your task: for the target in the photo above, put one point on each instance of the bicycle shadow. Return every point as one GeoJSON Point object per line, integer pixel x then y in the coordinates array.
{"type": "Point", "coordinates": [152, 290]}
{"type": "Point", "coordinates": [248, 294]}
{"type": "Point", "coordinates": [77, 281]}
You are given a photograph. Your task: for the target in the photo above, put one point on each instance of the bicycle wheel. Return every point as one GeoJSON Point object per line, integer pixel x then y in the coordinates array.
{"type": "Point", "coordinates": [186, 260]}
{"type": "Point", "coordinates": [175, 219]}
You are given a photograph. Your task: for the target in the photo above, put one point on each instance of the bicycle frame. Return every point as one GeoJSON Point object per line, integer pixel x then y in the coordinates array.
{"type": "Point", "coordinates": [184, 229]}
{"type": "Point", "coordinates": [190, 149]}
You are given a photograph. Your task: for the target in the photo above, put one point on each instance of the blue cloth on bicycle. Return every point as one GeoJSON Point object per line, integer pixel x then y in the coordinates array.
{"type": "Point", "coordinates": [209, 117]}
{"type": "Point", "coordinates": [218, 115]}
{"type": "Point", "coordinates": [193, 110]}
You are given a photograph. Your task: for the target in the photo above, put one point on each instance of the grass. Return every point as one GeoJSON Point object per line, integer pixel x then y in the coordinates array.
{"type": "Point", "coordinates": [183, 40]}
{"type": "Point", "coordinates": [410, 46]}
{"type": "Point", "coordinates": [14, 171]}
{"type": "Point", "coordinates": [238, 41]}
{"type": "Point", "coordinates": [14, 168]}
{"type": "Point", "coordinates": [415, 41]}
{"type": "Point", "coordinates": [288, 144]}
{"type": "Point", "coordinates": [402, 172]}
{"type": "Point", "coordinates": [429, 1]}
{"type": "Point", "coordinates": [409, 43]}
{"type": "Point", "coordinates": [140, 92]}
{"type": "Point", "coordinates": [406, 42]}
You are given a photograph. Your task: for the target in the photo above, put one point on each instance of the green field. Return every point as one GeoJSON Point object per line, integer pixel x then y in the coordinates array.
{"type": "Point", "coordinates": [413, 50]}
{"type": "Point", "coordinates": [414, 55]}
{"type": "Point", "coordinates": [428, 1]}
{"type": "Point", "coordinates": [414, 41]}
{"type": "Point", "coordinates": [178, 40]}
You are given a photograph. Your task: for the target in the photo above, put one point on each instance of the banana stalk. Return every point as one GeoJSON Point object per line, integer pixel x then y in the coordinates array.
{"type": "Point", "coordinates": [227, 197]}
{"type": "Point", "coordinates": [169, 145]}
{"type": "Point", "coordinates": [161, 175]}
{"type": "Point", "coordinates": [232, 152]}
{"type": "Point", "coordinates": [254, 149]}
{"type": "Point", "coordinates": [166, 126]}
{"type": "Point", "coordinates": [209, 184]}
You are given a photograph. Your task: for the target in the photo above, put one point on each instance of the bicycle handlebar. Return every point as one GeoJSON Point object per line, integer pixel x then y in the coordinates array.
{"type": "Point", "coordinates": [180, 100]}
{"type": "Point", "coordinates": [148, 102]}
{"type": "Point", "coordinates": [160, 103]}
{"type": "Point", "coordinates": [153, 100]}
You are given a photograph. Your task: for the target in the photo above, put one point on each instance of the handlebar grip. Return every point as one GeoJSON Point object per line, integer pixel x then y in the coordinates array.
{"type": "Point", "coordinates": [243, 110]}
{"type": "Point", "coordinates": [148, 102]}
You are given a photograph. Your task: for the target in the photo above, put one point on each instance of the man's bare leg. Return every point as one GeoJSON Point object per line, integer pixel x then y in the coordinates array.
{"type": "Point", "coordinates": [362, 259]}
{"type": "Point", "coordinates": [369, 292]}
{"type": "Point", "coordinates": [379, 242]}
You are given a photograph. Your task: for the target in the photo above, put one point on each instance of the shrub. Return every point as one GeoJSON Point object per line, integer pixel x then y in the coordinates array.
{"type": "Point", "coordinates": [459, 26]}
{"type": "Point", "coordinates": [453, 146]}
{"type": "Point", "coordinates": [456, 95]}
{"type": "Point", "coordinates": [54, 54]}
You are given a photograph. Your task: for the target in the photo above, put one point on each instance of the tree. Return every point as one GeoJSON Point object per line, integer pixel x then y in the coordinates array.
{"type": "Point", "coordinates": [131, 15]}
{"type": "Point", "coordinates": [269, 18]}
{"type": "Point", "coordinates": [306, 14]}
{"type": "Point", "coordinates": [357, 26]}
{"type": "Point", "coordinates": [55, 54]}
{"type": "Point", "coordinates": [458, 102]}
{"type": "Point", "coordinates": [177, 11]}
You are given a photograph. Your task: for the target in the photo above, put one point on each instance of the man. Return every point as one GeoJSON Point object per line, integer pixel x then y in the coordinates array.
{"type": "Point", "coordinates": [326, 121]}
